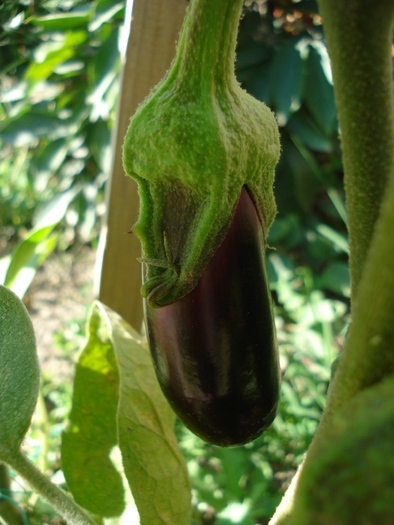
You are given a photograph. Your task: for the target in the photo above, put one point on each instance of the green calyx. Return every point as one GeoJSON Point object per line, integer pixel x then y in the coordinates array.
{"type": "Point", "coordinates": [191, 146]}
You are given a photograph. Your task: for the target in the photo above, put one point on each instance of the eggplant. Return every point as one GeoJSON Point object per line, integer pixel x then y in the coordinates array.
{"type": "Point", "coordinates": [203, 153]}
{"type": "Point", "coordinates": [214, 350]}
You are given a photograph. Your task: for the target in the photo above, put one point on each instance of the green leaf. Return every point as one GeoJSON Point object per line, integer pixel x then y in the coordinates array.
{"type": "Point", "coordinates": [286, 82]}
{"type": "Point", "coordinates": [27, 258]}
{"type": "Point", "coordinates": [38, 245]}
{"type": "Point", "coordinates": [253, 54]}
{"type": "Point", "coordinates": [256, 82]}
{"type": "Point", "coordinates": [48, 161]}
{"type": "Point", "coordinates": [49, 55]}
{"type": "Point", "coordinates": [91, 435]}
{"type": "Point", "coordinates": [319, 91]}
{"type": "Point", "coordinates": [19, 373]}
{"type": "Point", "coordinates": [301, 125]}
{"type": "Point", "coordinates": [62, 21]}
{"type": "Point", "coordinates": [26, 128]}
{"type": "Point", "coordinates": [154, 467]}
{"type": "Point", "coordinates": [339, 241]}
{"type": "Point", "coordinates": [336, 277]}
{"type": "Point", "coordinates": [104, 71]}
{"type": "Point", "coordinates": [104, 11]}
{"type": "Point", "coordinates": [99, 140]}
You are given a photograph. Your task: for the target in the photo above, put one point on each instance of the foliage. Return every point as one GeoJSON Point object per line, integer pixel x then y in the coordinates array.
{"type": "Point", "coordinates": [282, 60]}
{"type": "Point", "coordinates": [59, 75]}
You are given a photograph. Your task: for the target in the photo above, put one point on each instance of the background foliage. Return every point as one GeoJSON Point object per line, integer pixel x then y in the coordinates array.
{"type": "Point", "coordinates": [59, 72]}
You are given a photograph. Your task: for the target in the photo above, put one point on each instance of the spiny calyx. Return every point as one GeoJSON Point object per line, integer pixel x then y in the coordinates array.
{"type": "Point", "coordinates": [191, 146]}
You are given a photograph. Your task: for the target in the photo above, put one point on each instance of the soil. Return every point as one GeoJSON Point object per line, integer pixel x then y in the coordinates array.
{"type": "Point", "coordinates": [58, 298]}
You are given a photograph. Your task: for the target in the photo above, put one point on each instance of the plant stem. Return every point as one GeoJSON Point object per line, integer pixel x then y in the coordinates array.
{"type": "Point", "coordinates": [7, 509]}
{"type": "Point", "coordinates": [358, 34]}
{"type": "Point", "coordinates": [359, 38]}
{"type": "Point", "coordinates": [209, 32]}
{"type": "Point", "coordinates": [59, 500]}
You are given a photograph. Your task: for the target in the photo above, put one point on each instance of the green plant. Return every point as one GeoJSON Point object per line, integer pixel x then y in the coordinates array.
{"type": "Point", "coordinates": [361, 382]}
{"type": "Point", "coordinates": [58, 77]}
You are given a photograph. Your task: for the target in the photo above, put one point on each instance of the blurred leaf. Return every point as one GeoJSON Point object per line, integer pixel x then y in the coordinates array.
{"type": "Point", "coordinates": [41, 71]}
{"type": "Point", "coordinates": [286, 81]}
{"type": "Point", "coordinates": [99, 140]}
{"type": "Point", "coordinates": [91, 434]}
{"type": "Point", "coordinates": [104, 11]}
{"type": "Point", "coordinates": [235, 514]}
{"type": "Point", "coordinates": [27, 128]}
{"type": "Point", "coordinates": [19, 373]}
{"type": "Point", "coordinates": [38, 245]}
{"type": "Point", "coordinates": [26, 260]}
{"type": "Point", "coordinates": [48, 161]}
{"type": "Point", "coordinates": [233, 464]}
{"type": "Point", "coordinates": [53, 211]}
{"type": "Point", "coordinates": [319, 91]}
{"type": "Point", "coordinates": [315, 168]}
{"type": "Point", "coordinates": [104, 71]}
{"type": "Point", "coordinates": [252, 54]}
{"type": "Point", "coordinates": [256, 81]}
{"type": "Point", "coordinates": [339, 241]}
{"type": "Point", "coordinates": [50, 55]}
{"type": "Point", "coordinates": [301, 125]}
{"type": "Point", "coordinates": [336, 278]}
{"type": "Point", "coordinates": [320, 310]}
{"type": "Point", "coordinates": [63, 21]}
{"type": "Point", "coordinates": [306, 184]}
{"type": "Point", "coordinates": [154, 467]}
{"type": "Point", "coordinates": [287, 231]}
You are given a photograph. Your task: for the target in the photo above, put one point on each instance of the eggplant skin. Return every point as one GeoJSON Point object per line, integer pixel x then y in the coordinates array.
{"type": "Point", "coordinates": [214, 350]}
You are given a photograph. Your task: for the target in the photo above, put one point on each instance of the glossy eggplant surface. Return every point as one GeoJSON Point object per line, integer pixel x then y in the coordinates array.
{"type": "Point", "coordinates": [214, 350]}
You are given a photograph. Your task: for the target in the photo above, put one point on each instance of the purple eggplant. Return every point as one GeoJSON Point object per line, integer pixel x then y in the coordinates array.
{"type": "Point", "coordinates": [214, 350]}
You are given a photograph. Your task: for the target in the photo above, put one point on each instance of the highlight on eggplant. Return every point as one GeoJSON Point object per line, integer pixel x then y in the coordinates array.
{"type": "Point", "coordinates": [214, 350]}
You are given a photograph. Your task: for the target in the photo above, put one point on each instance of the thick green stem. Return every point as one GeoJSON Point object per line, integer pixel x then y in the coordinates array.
{"type": "Point", "coordinates": [63, 504]}
{"type": "Point", "coordinates": [359, 36]}
{"type": "Point", "coordinates": [209, 32]}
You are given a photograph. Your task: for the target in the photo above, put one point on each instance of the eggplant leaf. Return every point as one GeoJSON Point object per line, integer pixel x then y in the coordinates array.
{"type": "Point", "coordinates": [153, 464]}
{"type": "Point", "coordinates": [91, 435]}
{"type": "Point", "coordinates": [19, 373]}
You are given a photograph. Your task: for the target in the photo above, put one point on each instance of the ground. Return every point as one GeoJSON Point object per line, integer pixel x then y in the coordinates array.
{"type": "Point", "coordinates": [58, 298]}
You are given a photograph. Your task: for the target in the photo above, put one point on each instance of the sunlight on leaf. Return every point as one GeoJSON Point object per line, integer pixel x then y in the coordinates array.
{"type": "Point", "coordinates": [154, 467]}
{"type": "Point", "coordinates": [91, 435]}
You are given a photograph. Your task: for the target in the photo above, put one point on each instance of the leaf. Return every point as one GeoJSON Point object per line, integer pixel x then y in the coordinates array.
{"type": "Point", "coordinates": [286, 82]}
{"type": "Point", "coordinates": [319, 91]}
{"type": "Point", "coordinates": [19, 373]}
{"type": "Point", "coordinates": [253, 54]}
{"type": "Point", "coordinates": [62, 21]}
{"type": "Point", "coordinates": [26, 128]}
{"type": "Point", "coordinates": [154, 467]}
{"type": "Point", "coordinates": [48, 161]}
{"type": "Point", "coordinates": [339, 241]}
{"type": "Point", "coordinates": [257, 83]}
{"type": "Point", "coordinates": [301, 125]}
{"type": "Point", "coordinates": [38, 245]}
{"type": "Point", "coordinates": [27, 258]}
{"type": "Point", "coordinates": [49, 55]}
{"type": "Point", "coordinates": [99, 140]}
{"type": "Point", "coordinates": [104, 11]}
{"type": "Point", "coordinates": [91, 435]}
{"type": "Point", "coordinates": [336, 277]}
{"type": "Point", "coordinates": [103, 73]}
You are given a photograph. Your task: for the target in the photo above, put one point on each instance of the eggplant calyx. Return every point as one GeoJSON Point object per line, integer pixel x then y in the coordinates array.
{"type": "Point", "coordinates": [158, 287]}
